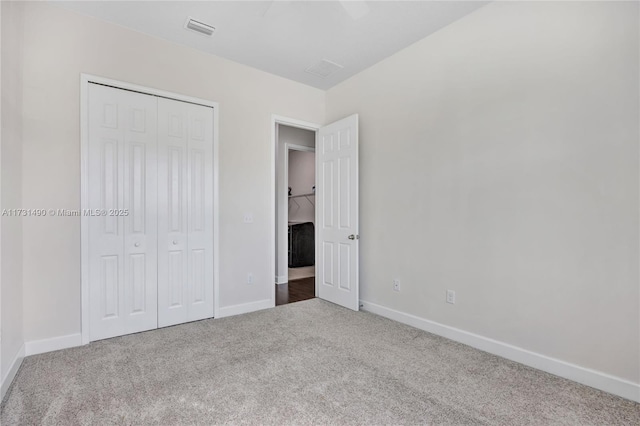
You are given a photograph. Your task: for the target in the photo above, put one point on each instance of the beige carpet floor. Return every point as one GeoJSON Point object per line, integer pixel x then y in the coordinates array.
{"type": "Point", "coordinates": [304, 363]}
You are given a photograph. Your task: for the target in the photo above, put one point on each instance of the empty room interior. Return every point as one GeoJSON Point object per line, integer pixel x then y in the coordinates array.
{"type": "Point", "coordinates": [320, 212]}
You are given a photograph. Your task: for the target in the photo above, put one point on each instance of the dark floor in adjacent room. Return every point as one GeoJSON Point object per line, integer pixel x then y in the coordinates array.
{"type": "Point", "coordinates": [295, 291]}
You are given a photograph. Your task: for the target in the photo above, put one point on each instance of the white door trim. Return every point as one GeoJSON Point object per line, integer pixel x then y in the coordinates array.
{"type": "Point", "coordinates": [85, 79]}
{"type": "Point", "coordinates": [291, 122]}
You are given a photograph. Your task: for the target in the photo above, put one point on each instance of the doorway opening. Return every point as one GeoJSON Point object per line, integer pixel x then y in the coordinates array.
{"type": "Point", "coordinates": [295, 214]}
{"type": "Point", "coordinates": [336, 236]}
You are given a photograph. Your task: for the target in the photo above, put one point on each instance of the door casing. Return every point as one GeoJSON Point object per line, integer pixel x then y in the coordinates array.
{"type": "Point", "coordinates": [291, 122]}
{"type": "Point", "coordinates": [85, 80]}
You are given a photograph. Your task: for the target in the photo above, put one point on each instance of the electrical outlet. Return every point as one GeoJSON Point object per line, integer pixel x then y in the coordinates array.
{"type": "Point", "coordinates": [249, 278]}
{"type": "Point", "coordinates": [451, 296]}
{"type": "Point", "coordinates": [396, 285]}
{"type": "Point", "coordinates": [247, 218]}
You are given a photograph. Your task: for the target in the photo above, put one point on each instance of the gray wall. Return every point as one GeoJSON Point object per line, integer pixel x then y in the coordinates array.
{"type": "Point", "coordinates": [499, 158]}
{"type": "Point", "coordinates": [11, 300]}
{"type": "Point", "coordinates": [302, 178]}
{"type": "Point", "coordinates": [59, 45]}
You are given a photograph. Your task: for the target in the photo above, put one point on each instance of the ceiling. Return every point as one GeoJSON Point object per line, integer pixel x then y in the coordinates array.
{"type": "Point", "coordinates": [287, 37]}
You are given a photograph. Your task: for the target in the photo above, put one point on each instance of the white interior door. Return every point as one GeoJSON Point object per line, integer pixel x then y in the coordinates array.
{"type": "Point", "coordinates": [123, 203]}
{"type": "Point", "coordinates": [185, 212]}
{"type": "Point", "coordinates": [337, 241]}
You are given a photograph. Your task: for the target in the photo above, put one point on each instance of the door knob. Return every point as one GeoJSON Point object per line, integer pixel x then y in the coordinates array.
{"type": "Point", "coordinates": [136, 244]}
{"type": "Point", "coordinates": [354, 237]}
{"type": "Point", "coordinates": [175, 242]}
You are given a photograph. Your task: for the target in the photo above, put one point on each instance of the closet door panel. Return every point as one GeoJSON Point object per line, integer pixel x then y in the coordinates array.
{"type": "Point", "coordinates": [200, 143]}
{"type": "Point", "coordinates": [140, 210]}
{"type": "Point", "coordinates": [122, 270]}
{"type": "Point", "coordinates": [185, 216]}
{"type": "Point", "coordinates": [173, 212]}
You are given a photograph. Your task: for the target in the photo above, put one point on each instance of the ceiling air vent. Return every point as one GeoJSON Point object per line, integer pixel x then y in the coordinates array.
{"type": "Point", "coordinates": [199, 27]}
{"type": "Point", "coordinates": [324, 68]}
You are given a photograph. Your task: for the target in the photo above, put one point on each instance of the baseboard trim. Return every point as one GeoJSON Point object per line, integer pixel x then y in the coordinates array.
{"type": "Point", "coordinates": [282, 279]}
{"type": "Point", "coordinates": [586, 376]}
{"type": "Point", "coordinates": [244, 308]}
{"type": "Point", "coordinates": [36, 347]}
{"type": "Point", "coordinates": [11, 373]}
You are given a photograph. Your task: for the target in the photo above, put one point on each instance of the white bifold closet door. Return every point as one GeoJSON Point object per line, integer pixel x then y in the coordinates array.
{"type": "Point", "coordinates": [122, 245]}
{"type": "Point", "coordinates": [150, 168]}
{"type": "Point", "coordinates": [185, 212]}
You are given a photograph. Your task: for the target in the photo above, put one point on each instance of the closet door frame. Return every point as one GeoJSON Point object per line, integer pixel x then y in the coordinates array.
{"type": "Point", "coordinates": [85, 80]}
